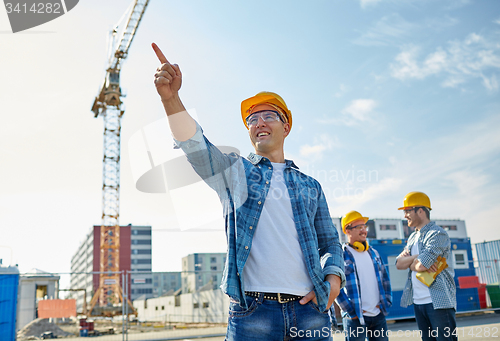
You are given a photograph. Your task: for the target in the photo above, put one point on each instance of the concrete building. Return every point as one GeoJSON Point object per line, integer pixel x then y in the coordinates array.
{"type": "Point", "coordinates": [202, 269]}
{"type": "Point", "coordinates": [141, 262]}
{"type": "Point", "coordinates": [203, 306]}
{"type": "Point", "coordinates": [135, 257]}
{"type": "Point", "coordinates": [166, 282]}
{"type": "Point", "coordinates": [199, 298]}
{"type": "Point", "coordinates": [34, 285]}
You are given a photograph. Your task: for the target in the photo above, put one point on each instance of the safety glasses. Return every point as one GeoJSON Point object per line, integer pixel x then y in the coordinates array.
{"type": "Point", "coordinates": [359, 227]}
{"type": "Point", "coordinates": [266, 116]}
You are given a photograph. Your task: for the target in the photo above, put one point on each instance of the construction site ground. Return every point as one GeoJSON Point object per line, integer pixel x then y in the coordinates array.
{"type": "Point", "coordinates": [107, 329]}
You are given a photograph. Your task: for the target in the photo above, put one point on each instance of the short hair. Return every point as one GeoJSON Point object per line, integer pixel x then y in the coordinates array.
{"type": "Point", "coordinates": [426, 210]}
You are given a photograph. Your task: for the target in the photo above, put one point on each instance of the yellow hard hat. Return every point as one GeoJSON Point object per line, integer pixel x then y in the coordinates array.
{"type": "Point", "coordinates": [350, 217]}
{"type": "Point", "coordinates": [414, 199]}
{"type": "Point", "coordinates": [262, 98]}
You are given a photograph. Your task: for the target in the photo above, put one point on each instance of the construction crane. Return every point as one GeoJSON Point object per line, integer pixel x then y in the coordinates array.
{"type": "Point", "coordinates": [108, 105]}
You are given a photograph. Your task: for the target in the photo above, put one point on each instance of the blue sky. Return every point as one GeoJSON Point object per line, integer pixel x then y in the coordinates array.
{"type": "Point", "coordinates": [387, 97]}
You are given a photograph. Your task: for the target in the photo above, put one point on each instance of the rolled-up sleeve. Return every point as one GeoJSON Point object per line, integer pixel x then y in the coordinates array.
{"type": "Point", "coordinates": [435, 245]}
{"type": "Point", "coordinates": [193, 144]}
{"type": "Point", "coordinates": [212, 165]}
{"type": "Point", "coordinates": [330, 250]}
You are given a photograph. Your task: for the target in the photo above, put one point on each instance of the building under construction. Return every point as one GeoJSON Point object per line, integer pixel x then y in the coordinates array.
{"type": "Point", "coordinates": [135, 260]}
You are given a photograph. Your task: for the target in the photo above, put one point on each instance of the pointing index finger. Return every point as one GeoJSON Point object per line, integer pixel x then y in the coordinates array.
{"type": "Point", "coordinates": [159, 54]}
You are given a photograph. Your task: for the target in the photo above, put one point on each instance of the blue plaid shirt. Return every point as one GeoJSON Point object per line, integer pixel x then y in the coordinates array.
{"type": "Point", "coordinates": [242, 187]}
{"type": "Point", "coordinates": [349, 299]}
{"type": "Point", "coordinates": [433, 242]}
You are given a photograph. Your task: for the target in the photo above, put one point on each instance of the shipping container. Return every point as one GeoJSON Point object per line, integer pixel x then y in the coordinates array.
{"type": "Point", "coordinates": [9, 283]}
{"type": "Point", "coordinates": [488, 258]}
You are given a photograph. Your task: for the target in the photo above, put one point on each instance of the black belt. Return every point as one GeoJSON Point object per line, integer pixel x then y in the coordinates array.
{"type": "Point", "coordinates": [281, 298]}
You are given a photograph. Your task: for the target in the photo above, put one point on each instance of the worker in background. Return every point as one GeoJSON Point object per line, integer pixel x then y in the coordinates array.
{"type": "Point", "coordinates": [367, 294]}
{"type": "Point", "coordinates": [434, 305]}
{"type": "Point", "coordinates": [284, 264]}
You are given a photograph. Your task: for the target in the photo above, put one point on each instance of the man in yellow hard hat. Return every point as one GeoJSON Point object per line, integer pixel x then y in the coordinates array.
{"type": "Point", "coordinates": [434, 305]}
{"type": "Point", "coordinates": [367, 295]}
{"type": "Point", "coordinates": [284, 264]}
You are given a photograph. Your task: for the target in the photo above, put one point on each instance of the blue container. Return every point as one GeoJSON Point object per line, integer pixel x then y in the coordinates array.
{"type": "Point", "coordinates": [488, 254]}
{"type": "Point", "coordinates": [467, 299]}
{"type": "Point", "coordinates": [9, 282]}
{"type": "Point", "coordinates": [84, 332]}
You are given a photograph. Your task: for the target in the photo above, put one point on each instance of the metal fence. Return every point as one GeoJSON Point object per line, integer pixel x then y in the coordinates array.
{"type": "Point", "coordinates": [148, 305]}
{"type": "Point", "coordinates": [488, 255]}
{"type": "Point", "coordinates": [169, 304]}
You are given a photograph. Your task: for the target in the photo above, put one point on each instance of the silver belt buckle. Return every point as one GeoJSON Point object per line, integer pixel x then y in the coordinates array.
{"type": "Point", "coordinates": [279, 299]}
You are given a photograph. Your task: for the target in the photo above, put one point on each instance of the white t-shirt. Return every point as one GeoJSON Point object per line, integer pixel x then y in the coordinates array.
{"type": "Point", "coordinates": [421, 293]}
{"type": "Point", "coordinates": [370, 293]}
{"type": "Point", "coordinates": [276, 263]}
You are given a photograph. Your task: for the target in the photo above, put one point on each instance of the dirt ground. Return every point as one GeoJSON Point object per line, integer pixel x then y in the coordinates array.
{"type": "Point", "coordinates": [39, 326]}
{"type": "Point", "coordinates": [102, 326]}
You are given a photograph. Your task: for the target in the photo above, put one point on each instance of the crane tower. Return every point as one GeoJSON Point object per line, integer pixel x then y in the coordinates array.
{"type": "Point", "coordinates": [108, 105]}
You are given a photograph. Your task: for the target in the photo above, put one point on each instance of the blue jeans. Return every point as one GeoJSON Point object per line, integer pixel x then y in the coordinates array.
{"type": "Point", "coordinates": [435, 324]}
{"type": "Point", "coordinates": [273, 321]}
{"type": "Point", "coordinates": [375, 328]}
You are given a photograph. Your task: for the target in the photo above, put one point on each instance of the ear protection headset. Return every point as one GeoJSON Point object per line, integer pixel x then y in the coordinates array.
{"type": "Point", "coordinates": [360, 246]}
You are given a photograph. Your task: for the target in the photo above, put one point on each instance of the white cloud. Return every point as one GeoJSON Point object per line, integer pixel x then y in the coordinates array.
{"type": "Point", "coordinates": [436, 61]}
{"type": "Point", "coordinates": [393, 29]}
{"type": "Point", "coordinates": [458, 62]}
{"type": "Point", "coordinates": [407, 65]}
{"type": "Point", "coordinates": [441, 22]}
{"type": "Point", "coordinates": [385, 31]}
{"type": "Point", "coordinates": [474, 144]}
{"type": "Point", "coordinates": [365, 3]}
{"type": "Point", "coordinates": [497, 21]}
{"type": "Point", "coordinates": [459, 157]}
{"type": "Point", "coordinates": [490, 83]}
{"type": "Point", "coordinates": [453, 82]}
{"type": "Point", "coordinates": [307, 150]}
{"type": "Point", "coordinates": [358, 196]}
{"type": "Point", "coordinates": [468, 181]}
{"type": "Point", "coordinates": [457, 4]}
{"type": "Point", "coordinates": [321, 144]}
{"type": "Point", "coordinates": [358, 110]}
{"type": "Point", "coordinates": [342, 91]}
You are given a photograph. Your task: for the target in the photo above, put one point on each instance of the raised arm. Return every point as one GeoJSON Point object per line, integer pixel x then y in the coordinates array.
{"type": "Point", "coordinates": [168, 81]}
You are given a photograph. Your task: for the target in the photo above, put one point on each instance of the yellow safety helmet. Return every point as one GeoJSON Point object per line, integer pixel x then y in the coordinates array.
{"type": "Point", "coordinates": [263, 98]}
{"type": "Point", "coordinates": [414, 199]}
{"type": "Point", "coordinates": [350, 217]}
